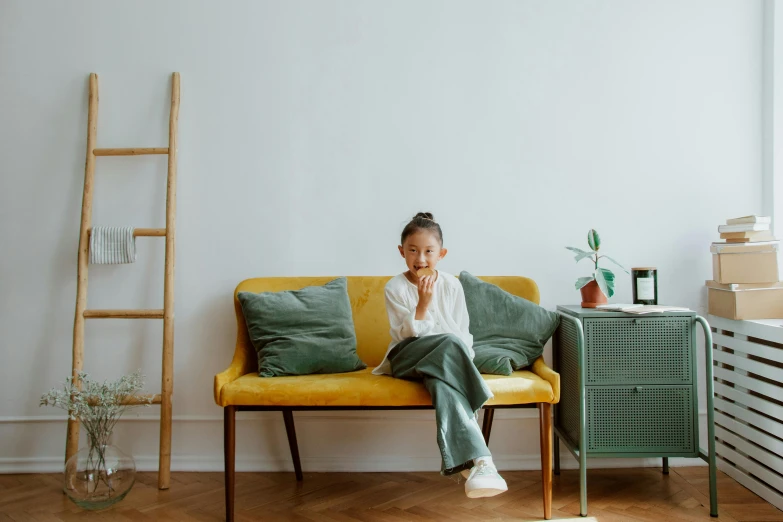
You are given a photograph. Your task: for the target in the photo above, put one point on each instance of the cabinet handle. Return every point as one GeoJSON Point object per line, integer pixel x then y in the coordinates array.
{"type": "Point", "coordinates": [638, 388]}
{"type": "Point", "coordinates": [637, 321]}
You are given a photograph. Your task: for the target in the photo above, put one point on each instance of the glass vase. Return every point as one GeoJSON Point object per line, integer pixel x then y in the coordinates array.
{"type": "Point", "coordinates": [98, 476]}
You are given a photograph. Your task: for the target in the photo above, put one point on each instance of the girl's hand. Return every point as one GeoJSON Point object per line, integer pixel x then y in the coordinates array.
{"type": "Point", "coordinates": [426, 285]}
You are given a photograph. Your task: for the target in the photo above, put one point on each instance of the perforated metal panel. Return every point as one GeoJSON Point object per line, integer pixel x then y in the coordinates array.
{"type": "Point", "coordinates": [638, 351]}
{"type": "Point", "coordinates": [638, 419]}
{"type": "Point", "coordinates": [568, 367]}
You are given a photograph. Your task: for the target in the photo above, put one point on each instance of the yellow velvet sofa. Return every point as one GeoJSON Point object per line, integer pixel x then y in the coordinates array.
{"type": "Point", "coordinates": [239, 388]}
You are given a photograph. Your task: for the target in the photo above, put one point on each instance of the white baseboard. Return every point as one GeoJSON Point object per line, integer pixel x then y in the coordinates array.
{"type": "Point", "coordinates": [214, 463]}
{"type": "Point", "coordinates": [212, 459]}
{"type": "Point", "coordinates": [305, 416]}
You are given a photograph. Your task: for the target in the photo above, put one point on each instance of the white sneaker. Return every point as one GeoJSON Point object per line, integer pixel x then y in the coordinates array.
{"type": "Point", "coordinates": [484, 481]}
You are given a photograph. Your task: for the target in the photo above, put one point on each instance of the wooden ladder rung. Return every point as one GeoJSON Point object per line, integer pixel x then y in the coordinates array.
{"type": "Point", "coordinates": [130, 401]}
{"type": "Point", "coordinates": [123, 314]}
{"type": "Point", "coordinates": [156, 232]}
{"type": "Point", "coordinates": [136, 151]}
{"type": "Point", "coordinates": [142, 400]}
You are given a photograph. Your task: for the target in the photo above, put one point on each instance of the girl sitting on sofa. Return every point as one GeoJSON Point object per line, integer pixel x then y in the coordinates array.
{"type": "Point", "coordinates": [431, 343]}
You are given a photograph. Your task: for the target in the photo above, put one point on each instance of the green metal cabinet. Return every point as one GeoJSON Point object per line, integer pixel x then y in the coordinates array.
{"type": "Point", "coordinates": [628, 388]}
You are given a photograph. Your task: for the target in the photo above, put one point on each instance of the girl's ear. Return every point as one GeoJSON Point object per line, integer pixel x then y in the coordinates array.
{"type": "Point", "coordinates": [400, 249]}
{"type": "Point", "coordinates": [443, 252]}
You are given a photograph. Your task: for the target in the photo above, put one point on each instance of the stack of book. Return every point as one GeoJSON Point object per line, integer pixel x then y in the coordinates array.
{"type": "Point", "coordinates": [745, 282]}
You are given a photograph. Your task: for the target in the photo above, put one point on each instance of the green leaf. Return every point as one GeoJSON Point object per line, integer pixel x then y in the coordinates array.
{"type": "Point", "coordinates": [593, 239]}
{"type": "Point", "coordinates": [580, 254]}
{"type": "Point", "coordinates": [605, 279]}
{"type": "Point", "coordinates": [616, 263]}
{"type": "Point", "coordinates": [582, 281]}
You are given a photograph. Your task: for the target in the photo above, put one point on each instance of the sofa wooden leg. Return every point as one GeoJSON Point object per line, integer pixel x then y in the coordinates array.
{"type": "Point", "coordinates": [229, 449]}
{"type": "Point", "coordinates": [544, 410]}
{"type": "Point", "coordinates": [486, 426]}
{"type": "Point", "coordinates": [288, 418]}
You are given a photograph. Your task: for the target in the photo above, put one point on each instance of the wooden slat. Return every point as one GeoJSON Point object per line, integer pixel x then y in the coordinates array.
{"type": "Point", "coordinates": [167, 377]}
{"type": "Point", "coordinates": [132, 401]}
{"type": "Point", "coordinates": [748, 347]}
{"type": "Point", "coordinates": [146, 232]}
{"type": "Point", "coordinates": [743, 430]}
{"type": "Point", "coordinates": [752, 483]}
{"type": "Point", "coordinates": [757, 403]}
{"type": "Point", "coordinates": [142, 400]}
{"type": "Point", "coordinates": [749, 328]}
{"type": "Point", "coordinates": [72, 438]}
{"type": "Point", "coordinates": [136, 151]}
{"type": "Point", "coordinates": [751, 465]}
{"type": "Point", "coordinates": [749, 383]}
{"type": "Point", "coordinates": [123, 314]}
{"type": "Point", "coordinates": [751, 417]}
{"type": "Point", "coordinates": [749, 365]}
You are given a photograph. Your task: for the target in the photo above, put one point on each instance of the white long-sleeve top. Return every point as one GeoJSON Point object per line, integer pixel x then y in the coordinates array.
{"type": "Point", "coordinates": [447, 313]}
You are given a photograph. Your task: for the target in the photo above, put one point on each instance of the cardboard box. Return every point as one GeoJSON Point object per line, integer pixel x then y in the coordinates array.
{"type": "Point", "coordinates": [745, 267]}
{"type": "Point", "coordinates": [746, 301]}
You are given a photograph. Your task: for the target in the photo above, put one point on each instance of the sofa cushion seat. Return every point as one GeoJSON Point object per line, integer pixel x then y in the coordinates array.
{"type": "Point", "coordinates": [361, 388]}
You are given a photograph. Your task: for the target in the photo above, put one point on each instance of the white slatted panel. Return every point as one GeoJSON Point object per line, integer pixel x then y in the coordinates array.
{"type": "Point", "coordinates": [760, 350]}
{"type": "Point", "coordinates": [749, 415]}
{"type": "Point", "coordinates": [758, 386]}
{"type": "Point", "coordinates": [751, 450]}
{"type": "Point", "coordinates": [771, 478]}
{"type": "Point", "coordinates": [745, 399]}
{"type": "Point", "coordinates": [743, 363]}
{"type": "Point", "coordinates": [750, 433]}
{"type": "Point", "coordinates": [769, 494]}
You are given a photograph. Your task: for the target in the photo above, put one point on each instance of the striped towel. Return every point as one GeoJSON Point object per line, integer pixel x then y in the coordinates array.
{"type": "Point", "coordinates": [112, 245]}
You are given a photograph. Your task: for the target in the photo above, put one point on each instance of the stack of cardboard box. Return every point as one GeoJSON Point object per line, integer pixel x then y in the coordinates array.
{"type": "Point", "coordinates": [745, 282]}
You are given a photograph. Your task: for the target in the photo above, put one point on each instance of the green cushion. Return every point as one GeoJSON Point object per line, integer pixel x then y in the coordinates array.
{"type": "Point", "coordinates": [299, 332]}
{"type": "Point", "coordinates": [509, 332]}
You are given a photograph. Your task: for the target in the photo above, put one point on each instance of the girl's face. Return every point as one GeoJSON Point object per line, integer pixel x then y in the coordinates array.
{"type": "Point", "coordinates": [421, 250]}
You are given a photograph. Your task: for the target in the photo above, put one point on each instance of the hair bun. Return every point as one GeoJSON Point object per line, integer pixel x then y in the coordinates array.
{"type": "Point", "coordinates": [422, 221]}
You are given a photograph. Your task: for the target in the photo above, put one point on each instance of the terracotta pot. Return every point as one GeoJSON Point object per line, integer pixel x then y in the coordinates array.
{"type": "Point", "coordinates": [592, 295]}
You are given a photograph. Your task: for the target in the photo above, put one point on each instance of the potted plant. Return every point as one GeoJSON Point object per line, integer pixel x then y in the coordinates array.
{"type": "Point", "coordinates": [99, 475]}
{"type": "Point", "coordinates": [597, 287]}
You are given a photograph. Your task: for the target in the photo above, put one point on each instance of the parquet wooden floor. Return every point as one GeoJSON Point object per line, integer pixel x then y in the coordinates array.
{"type": "Point", "coordinates": [613, 495]}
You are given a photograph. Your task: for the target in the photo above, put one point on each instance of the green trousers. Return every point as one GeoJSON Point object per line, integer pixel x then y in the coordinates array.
{"type": "Point", "coordinates": [458, 391]}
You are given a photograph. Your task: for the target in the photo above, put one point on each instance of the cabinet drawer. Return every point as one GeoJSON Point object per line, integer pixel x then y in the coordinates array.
{"type": "Point", "coordinates": [641, 419]}
{"type": "Point", "coordinates": [638, 350]}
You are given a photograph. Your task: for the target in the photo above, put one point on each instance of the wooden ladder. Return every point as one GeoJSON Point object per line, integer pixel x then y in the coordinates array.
{"type": "Point", "coordinates": [167, 313]}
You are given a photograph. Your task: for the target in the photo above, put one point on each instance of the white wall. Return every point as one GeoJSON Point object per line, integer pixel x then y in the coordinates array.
{"type": "Point", "coordinates": [772, 118]}
{"type": "Point", "coordinates": [309, 133]}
